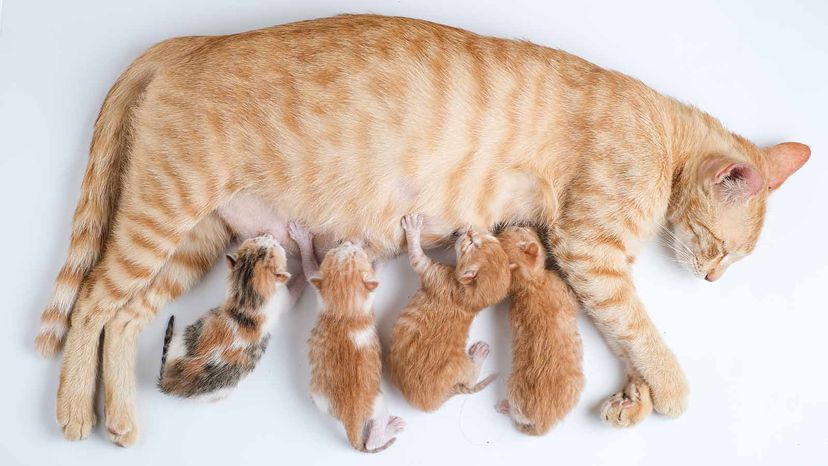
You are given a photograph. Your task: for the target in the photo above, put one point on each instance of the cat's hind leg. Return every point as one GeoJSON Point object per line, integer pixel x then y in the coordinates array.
{"type": "Point", "coordinates": [478, 352]}
{"type": "Point", "coordinates": [383, 427]}
{"type": "Point", "coordinates": [189, 263]}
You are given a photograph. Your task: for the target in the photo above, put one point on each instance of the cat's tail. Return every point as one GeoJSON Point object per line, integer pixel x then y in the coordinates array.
{"type": "Point", "coordinates": [357, 432]}
{"type": "Point", "coordinates": [100, 192]}
{"type": "Point", "coordinates": [168, 336]}
{"type": "Point", "coordinates": [463, 389]}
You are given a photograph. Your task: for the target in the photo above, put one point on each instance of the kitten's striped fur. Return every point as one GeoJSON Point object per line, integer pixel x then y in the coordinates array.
{"type": "Point", "coordinates": [346, 124]}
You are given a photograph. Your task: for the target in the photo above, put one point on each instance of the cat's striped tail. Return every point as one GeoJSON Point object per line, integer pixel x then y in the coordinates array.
{"type": "Point", "coordinates": [100, 191]}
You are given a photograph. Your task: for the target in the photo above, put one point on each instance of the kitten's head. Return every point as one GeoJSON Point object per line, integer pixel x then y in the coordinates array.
{"type": "Point", "coordinates": [257, 269]}
{"type": "Point", "coordinates": [523, 246]}
{"type": "Point", "coordinates": [346, 278]}
{"type": "Point", "coordinates": [718, 202]}
{"type": "Point", "coordinates": [482, 266]}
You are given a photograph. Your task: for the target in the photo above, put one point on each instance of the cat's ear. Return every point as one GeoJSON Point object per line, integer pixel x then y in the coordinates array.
{"type": "Point", "coordinates": [738, 180]}
{"type": "Point", "coordinates": [231, 260]}
{"type": "Point", "coordinates": [282, 277]}
{"type": "Point", "coordinates": [370, 285]}
{"type": "Point", "coordinates": [468, 276]}
{"type": "Point", "coordinates": [316, 281]}
{"type": "Point", "coordinates": [783, 160]}
{"type": "Point", "coordinates": [531, 249]}
{"type": "Point", "coordinates": [513, 266]}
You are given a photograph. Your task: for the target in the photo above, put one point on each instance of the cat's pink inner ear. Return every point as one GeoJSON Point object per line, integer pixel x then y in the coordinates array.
{"type": "Point", "coordinates": [468, 276]}
{"type": "Point", "coordinates": [748, 176]}
{"type": "Point", "coordinates": [783, 160]}
{"type": "Point", "coordinates": [371, 285]}
{"type": "Point", "coordinates": [282, 277]}
{"type": "Point", "coordinates": [316, 282]}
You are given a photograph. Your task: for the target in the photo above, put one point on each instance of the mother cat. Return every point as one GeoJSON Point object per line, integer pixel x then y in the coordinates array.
{"type": "Point", "coordinates": [346, 124]}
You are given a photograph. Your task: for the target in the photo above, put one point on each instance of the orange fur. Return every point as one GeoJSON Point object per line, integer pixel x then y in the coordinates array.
{"type": "Point", "coordinates": [428, 356]}
{"type": "Point", "coordinates": [346, 124]}
{"type": "Point", "coordinates": [547, 377]}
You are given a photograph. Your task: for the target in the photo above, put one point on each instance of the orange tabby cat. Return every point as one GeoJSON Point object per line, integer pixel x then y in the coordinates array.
{"type": "Point", "coordinates": [428, 357]}
{"type": "Point", "coordinates": [344, 347]}
{"type": "Point", "coordinates": [348, 123]}
{"type": "Point", "coordinates": [547, 377]}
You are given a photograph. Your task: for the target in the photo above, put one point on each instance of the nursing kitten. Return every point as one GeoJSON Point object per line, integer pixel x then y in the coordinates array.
{"type": "Point", "coordinates": [348, 123]}
{"type": "Point", "coordinates": [547, 376]}
{"type": "Point", "coordinates": [344, 347]}
{"type": "Point", "coordinates": [428, 358]}
{"type": "Point", "coordinates": [213, 354]}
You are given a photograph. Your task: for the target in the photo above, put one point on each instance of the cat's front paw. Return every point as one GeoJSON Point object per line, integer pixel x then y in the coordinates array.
{"type": "Point", "coordinates": [122, 428]}
{"type": "Point", "coordinates": [76, 418]}
{"type": "Point", "coordinates": [670, 394]}
{"type": "Point", "coordinates": [628, 407]}
{"type": "Point", "coordinates": [412, 223]}
{"type": "Point", "coordinates": [300, 234]}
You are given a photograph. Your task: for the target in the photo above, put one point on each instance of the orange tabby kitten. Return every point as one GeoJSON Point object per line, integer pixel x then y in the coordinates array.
{"type": "Point", "coordinates": [344, 347]}
{"type": "Point", "coordinates": [213, 354]}
{"type": "Point", "coordinates": [348, 123]}
{"type": "Point", "coordinates": [547, 377]}
{"type": "Point", "coordinates": [428, 357]}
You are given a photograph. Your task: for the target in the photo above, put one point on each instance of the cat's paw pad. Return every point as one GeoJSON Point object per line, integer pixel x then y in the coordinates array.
{"type": "Point", "coordinates": [412, 222]}
{"type": "Point", "coordinates": [123, 431]}
{"type": "Point", "coordinates": [479, 351]}
{"type": "Point", "coordinates": [395, 426]}
{"type": "Point", "coordinates": [76, 422]}
{"type": "Point", "coordinates": [502, 407]}
{"type": "Point", "coordinates": [627, 408]}
{"type": "Point", "coordinates": [299, 233]}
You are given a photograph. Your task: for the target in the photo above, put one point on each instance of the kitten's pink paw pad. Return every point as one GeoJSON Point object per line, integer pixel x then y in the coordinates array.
{"type": "Point", "coordinates": [502, 407]}
{"type": "Point", "coordinates": [479, 351]}
{"type": "Point", "coordinates": [395, 426]}
{"type": "Point", "coordinates": [298, 233]}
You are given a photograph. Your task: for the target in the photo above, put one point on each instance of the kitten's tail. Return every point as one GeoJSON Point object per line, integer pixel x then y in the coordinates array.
{"type": "Point", "coordinates": [100, 192]}
{"type": "Point", "coordinates": [358, 436]}
{"type": "Point", "coordinates": [462, 389]}
{"type": "Point", "coordinates": [168, 336]}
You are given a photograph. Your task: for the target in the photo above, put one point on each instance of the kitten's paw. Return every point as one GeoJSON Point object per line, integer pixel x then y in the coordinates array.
{"type": "Point", "coordinates": [502, 407]}
{"type": "Point", "coordinates": [300, 234]}
{"type": "Point", "coordinates": [479, 351]}
{"type": "Point", "coordinates": [412, 223]}
{"type": "Point", "coordinates": [395, 426]}
{"type": "Point", "coordinates": [670, 396]}
{"type": "Point", "coordinates": [628, 407]}
{"type": "Point", "coordinates": [122, 428]}
{"type": "Point", "coordinates": [76, 419]}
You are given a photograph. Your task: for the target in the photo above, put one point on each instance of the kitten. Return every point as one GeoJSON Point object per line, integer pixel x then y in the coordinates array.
{"type": "Point", "coordinates": [428, 358]}
{"type": "Point", "coordinates": [213, 354]}
{"type": "Point", "coordinates": [344, 347]}
{"type": "Point", "coordinates": [547, 376]}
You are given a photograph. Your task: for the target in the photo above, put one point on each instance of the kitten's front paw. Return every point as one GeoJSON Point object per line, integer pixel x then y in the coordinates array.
{"type": "Point", "coordinates": [300, 234]}
{"type": "Point", "coordinates": [670, 394]}
{"type": "Point", "coordinates": [629, 407]}
{"type": "Point", "coordinates": [412, 223]}
{"type": "Point", "coordinates": [122, 428]}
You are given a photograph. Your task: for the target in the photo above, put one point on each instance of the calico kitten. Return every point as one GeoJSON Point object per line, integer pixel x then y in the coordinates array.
{"type": "Point", "coordinates": [547, 376]}
{"type": "Point", "coordinates": [344, 347]}
{"type": "Point", "coordinates": [428, 358]}
{"type": "Point", "coordinates": [213, 354]}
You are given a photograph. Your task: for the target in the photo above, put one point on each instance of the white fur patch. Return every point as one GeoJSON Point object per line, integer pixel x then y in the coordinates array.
{"type": "Point", "coordinates": [364, 337]}
{"type": "Point", "coordinates": [322, 402]}
{"type": "Point", "coordinates": [368, 305]}
{"type": "Point", "coordinates": [275, 307]}
{"type": "Point", "coordinates": [376, 436]}
{"type": "Point", "coordinates": [177, 348]}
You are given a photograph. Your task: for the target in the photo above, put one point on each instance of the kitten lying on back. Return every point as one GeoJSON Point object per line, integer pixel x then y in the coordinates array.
{"type": "Point", "coordinates": [428, 358]}
{"type": "Point", "coordinates": [344, 347]}
{"type": "Point", "coordinates": [212, 355]}
{"type": "Point", "coordinates": [547, 377]}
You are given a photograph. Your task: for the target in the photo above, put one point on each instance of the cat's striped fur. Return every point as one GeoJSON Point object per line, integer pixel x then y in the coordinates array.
{"type": "Point", "coordinates": [346, 124]}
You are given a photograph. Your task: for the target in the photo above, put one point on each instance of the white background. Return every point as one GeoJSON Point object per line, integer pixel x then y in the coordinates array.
{"type": "Point", "coordinates": [753, 344]}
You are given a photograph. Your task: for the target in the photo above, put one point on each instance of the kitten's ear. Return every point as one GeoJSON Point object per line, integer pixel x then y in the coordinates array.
{"type": "Point", "coordinates": [531, 250]}
{"type": "Point", "coordinates": [371, 285]}
{"type": "Point", "coordinates": [735, 180]}
{"type": "Point", "coordinates": [316, 281]}
{"type": "Point", "coordinates": [468, 277]}
{"type": "Point", "coordinates": [783, 160]}
{"type": "Point", "coordinates": [282, 277]}
{"type": "Point", "coordinates": [512, 266]}
{"type": "Point", "coordinates": [231, 260]}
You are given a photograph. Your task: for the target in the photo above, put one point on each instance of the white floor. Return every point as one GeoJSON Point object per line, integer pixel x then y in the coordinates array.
{"type": "Point", "coordinates": [753, 344]}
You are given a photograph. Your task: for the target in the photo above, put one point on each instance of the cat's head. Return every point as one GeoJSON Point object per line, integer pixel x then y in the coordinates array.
{"type": "Point", "coordinates": [346, 278]}
{"type": "Point", "coordinates": [482, 265]}
{"type": "Point", "coordinates": [718, 202]}
{"type": "Point", "coordinates": [257, 268]}
{"type": "Point", "coordinates": [525, 251]}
